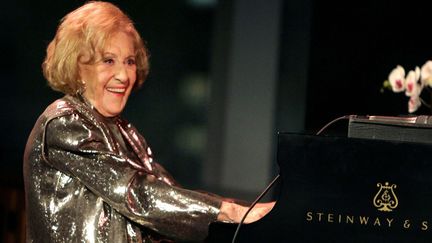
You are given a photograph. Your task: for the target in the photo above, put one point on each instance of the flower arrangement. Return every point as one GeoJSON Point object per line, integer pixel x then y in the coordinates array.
{"type": "Point", "coordinates": [413, 84]}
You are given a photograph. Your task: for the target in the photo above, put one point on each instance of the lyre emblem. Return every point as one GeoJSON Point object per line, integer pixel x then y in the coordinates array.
{"type": "Point", "coordinates": [385, 199]}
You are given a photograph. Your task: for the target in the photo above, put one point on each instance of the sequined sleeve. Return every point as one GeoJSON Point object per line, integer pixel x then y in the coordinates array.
{"type": "Point", "coordinates": [79, 149]}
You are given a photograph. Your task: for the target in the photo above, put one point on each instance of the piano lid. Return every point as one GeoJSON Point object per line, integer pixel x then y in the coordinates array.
{"type": "Point", "coordinates": [337, 189]}
{"type": "Point", "coordinates": [409, 128]}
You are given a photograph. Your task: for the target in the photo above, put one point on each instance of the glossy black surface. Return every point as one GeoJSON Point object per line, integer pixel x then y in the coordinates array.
{"type": "Point", "coordinates": [328, 188]}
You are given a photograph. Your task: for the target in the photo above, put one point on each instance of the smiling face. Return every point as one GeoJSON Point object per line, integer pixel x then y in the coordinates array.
{"type": "Point", "coordinates": [110, 79]}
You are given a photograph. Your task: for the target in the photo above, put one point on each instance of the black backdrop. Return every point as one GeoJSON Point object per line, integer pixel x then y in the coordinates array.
{"type": "Point", "coordinates": [355, 45]}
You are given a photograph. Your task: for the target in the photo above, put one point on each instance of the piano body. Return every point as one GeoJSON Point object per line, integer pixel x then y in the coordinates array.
{"type": "Point", "coordinates": [340, 189]}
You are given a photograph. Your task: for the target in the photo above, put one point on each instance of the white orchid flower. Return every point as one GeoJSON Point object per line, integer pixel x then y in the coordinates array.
{"type": "Point", "coordinates": [413, 104]}
{"type": "Point", "coordinates": [397, 79]}
{"type": "Point", "coordinates": [426, 73]}
{"type": "Point", "coordinates": [412, 86]}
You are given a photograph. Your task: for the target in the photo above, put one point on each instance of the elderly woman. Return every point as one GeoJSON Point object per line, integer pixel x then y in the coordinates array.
{"type": "Point", "coordinates": [89, 175]}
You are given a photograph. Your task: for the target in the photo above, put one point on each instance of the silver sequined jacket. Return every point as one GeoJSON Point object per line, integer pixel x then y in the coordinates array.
{"type": "Point", "coordinates": [89, 178]}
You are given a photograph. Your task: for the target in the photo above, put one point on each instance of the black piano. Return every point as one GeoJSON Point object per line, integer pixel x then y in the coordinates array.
{"type": "Point", "coordinates": [344, 189]}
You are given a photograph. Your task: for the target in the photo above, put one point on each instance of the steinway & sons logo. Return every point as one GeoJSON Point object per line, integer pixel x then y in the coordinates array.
{"type": "Point", "coordinates": [384, 200]}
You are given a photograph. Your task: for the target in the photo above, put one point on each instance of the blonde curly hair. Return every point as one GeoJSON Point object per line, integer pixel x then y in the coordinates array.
{"type": "Point", "coordinates": [84, 32]}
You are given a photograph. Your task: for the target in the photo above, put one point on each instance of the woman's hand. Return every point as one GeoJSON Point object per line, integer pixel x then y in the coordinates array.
{"type": "Point", "coordinates": [233, 213]}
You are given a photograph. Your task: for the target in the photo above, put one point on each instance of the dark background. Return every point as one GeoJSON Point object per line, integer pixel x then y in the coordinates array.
{"type": "Point", "coordinates": [353, 47]}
